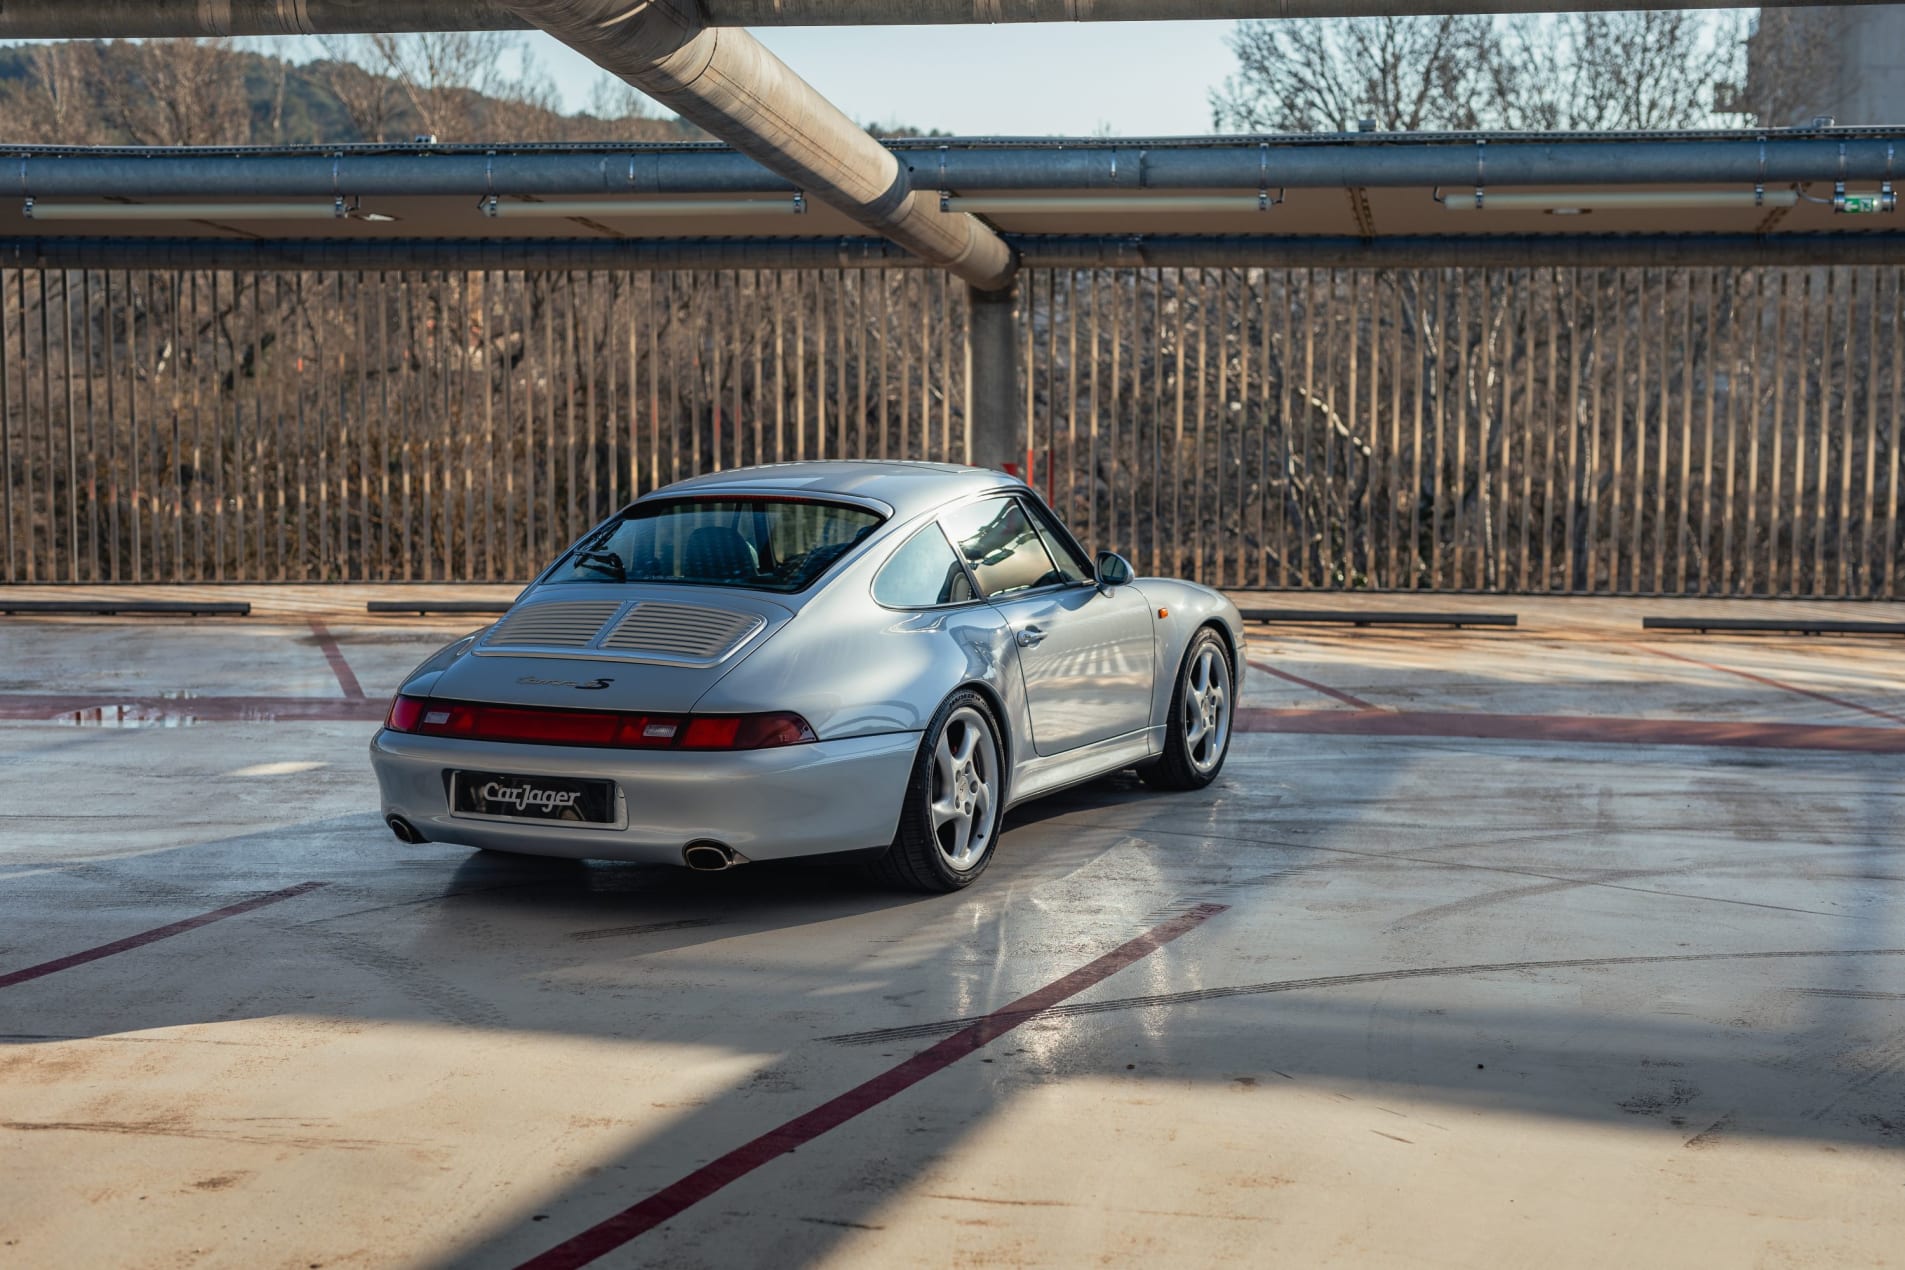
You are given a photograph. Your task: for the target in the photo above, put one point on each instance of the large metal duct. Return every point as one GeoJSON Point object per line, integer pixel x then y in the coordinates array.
{"type": "Point", "coordinates": [1240, 163]}
{"type": "Point", "coordinates": [72, 19]}
{"type": "Point", "coordinates": [1037, 251]}
{"type": "Point", "coordinates": [725, 80]}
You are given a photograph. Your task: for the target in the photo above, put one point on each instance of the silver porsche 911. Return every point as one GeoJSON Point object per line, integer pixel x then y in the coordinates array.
{"type": "Point", "coordinates": [809, 659]}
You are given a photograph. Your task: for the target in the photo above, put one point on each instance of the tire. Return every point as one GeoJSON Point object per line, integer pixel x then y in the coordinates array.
{"type": "Point", "coordinates": [1202, 708]}
{"type": "Point", "coordinates": [954, 804]}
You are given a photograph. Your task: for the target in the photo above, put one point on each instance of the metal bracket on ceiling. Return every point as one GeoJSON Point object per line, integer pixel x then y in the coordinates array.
{"type": "Point", "coordinates": [800, 202]}
{"type": "Point", "coordinates": [1759, 186]}
{"type": "Point", "coordinates": [1481, 172]}
{"type": "Point", "coordinates": [489, 181]}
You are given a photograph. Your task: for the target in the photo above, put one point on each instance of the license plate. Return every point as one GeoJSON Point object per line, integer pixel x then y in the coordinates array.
{"type": "Point", "coordinates": [532, 797]}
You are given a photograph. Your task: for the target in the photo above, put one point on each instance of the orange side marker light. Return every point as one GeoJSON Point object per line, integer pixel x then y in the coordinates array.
{"type": "Point", "coordinates": [1164, 612]}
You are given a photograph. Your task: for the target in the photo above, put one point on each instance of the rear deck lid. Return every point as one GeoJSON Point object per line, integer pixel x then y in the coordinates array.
{"type": "Point", "coordinates": [635, 648]}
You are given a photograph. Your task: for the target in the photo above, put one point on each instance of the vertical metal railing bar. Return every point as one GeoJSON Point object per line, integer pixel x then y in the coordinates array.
{"type": "Point", "coordinates": [111, 484]}
{"type": "Point", "coordinates": [1244, 430]}
{"type": "Point", "coordinates": [287, 467]}
{"type": "Point", "coordinates": [1732, 313]}
{"type": "Point", "coordinates": [1704, 574]}
{"type": "Point", "coordinates": [1591, 367]}
{"type": "Point", "coordinates": [1302, 471]}
{"type": "Point", "coordinates": [1155, 475]}
{"type": "Point", "coordinates": [1663, 431]}
{"type": "Point", "coordinates": [1653, 317]}
{"type": "Point", "coordinates": [1532, 308]}
{"type": "Point", "coordinates": [1684, 505]}
{"type": "Point", "coordinates": [1848, 387]}
{"type": "Point", "coordinates": [39, 559]}
{"type": "Point", "coordinates": [1553, 312]}
{"type": "Point", "coordinates": [1867, 577]}
{"type": "Point", "coordinates": [1355, 562]}
{"type": "Point", "coordinates": [1619, 577]}
{"type": "Point", "coordinates": [316, 545]}
{"type": "Point", "coordinates": [1270, 520]}
{"type": "Point", "coordinates": [1748, 405]}
{"type": "Point", "coordinates": [1200, 414]}
{"type": "Point", "coordinates": [91, 483]}
{"type": "Point", "coordinates": [1894, 463]}
{"type": "Point", "coordinates": [1455, 494]}
{"type": "Point", "coordinates": [1802, 395]}
{"type": "Point", "coordinates": [1501, 445]}
{"type": "Point", "coordinates": [1434, 382]}
{"type": "Point", "coordinates": [9, 571]}
{"type": "Point", "coordinates": [1253, 355]}
{"type": "Point", "coordinates": [1823, 458]}
{"type": "Point", "coordinates": [71, 553]}
{"type": "Point", "coordinates": [1328, 517]}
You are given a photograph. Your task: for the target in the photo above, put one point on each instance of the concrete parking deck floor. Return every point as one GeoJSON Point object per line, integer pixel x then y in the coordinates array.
{"type": "Point", "coordinates": [1556, 946]}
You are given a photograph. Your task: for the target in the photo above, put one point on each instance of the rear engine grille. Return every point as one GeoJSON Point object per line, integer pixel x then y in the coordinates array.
{"type": "Point", "coordinates": [683, 631]}
{"type": "Point", "coordinates": [561, 624]}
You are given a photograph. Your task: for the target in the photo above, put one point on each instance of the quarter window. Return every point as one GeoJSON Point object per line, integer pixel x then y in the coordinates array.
{"type": "Point", "coordinates": [1002, 547]}
{"type": "Point", "coordinates": [923, 573]}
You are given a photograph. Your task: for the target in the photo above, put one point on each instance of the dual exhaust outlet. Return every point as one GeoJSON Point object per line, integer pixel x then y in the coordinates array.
{"type": "Point", "coordinates": [702, 857]}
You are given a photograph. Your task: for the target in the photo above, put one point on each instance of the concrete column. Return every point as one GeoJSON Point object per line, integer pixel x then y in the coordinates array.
{"type": "Point", "coordinates": [995, 426]}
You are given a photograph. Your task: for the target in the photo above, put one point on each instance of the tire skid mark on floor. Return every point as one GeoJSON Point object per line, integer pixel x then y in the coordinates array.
{"type": "Point", "coordinates": [1198, 995]}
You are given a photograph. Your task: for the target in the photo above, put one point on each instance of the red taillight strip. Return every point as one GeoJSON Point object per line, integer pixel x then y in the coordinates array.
{"type": "Point", "coordinates": [601, 729]}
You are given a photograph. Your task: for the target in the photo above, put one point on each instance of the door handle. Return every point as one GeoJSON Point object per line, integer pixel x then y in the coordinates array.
{"type": "Point", "coordinates": [1030, 636]}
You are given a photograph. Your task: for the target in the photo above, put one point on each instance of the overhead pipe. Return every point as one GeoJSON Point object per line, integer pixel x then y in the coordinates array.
{"type": "Point", "coordinates": [965, 167]}
{"type": "Point", "coordinates": [357, 255]}
{"type": "Point", "coordinates": [106, 19]}
{"type": "Point", "coordinates": [727, 82]}
{"type": "Point", "coordinates": [1036, 251]}
{"type": "Point", "coordinates": [1457, 251]}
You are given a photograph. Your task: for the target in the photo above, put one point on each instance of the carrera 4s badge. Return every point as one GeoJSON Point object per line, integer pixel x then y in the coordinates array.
{"type": "Point", "coordinates": [589, 686]}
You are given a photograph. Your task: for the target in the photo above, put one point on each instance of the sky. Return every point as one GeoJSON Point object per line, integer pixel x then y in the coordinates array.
{"type": "Point", "coordinates": [1069, 79]}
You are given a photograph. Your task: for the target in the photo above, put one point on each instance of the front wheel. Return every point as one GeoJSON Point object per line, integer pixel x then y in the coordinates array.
{"type": "Point", "coordinates": [1198, 737]}
{"type": "Point", "coordinates": [954, 800]}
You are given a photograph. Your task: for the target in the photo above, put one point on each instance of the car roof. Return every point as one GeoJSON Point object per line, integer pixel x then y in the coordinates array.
{"type": "Point", "coordinates": [909, 488]}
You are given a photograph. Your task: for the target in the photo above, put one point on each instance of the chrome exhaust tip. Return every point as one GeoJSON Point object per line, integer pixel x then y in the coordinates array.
{"type": "Point", "coordinates": [405, 831]}
{"type": "Point", "coordinates": [709, 857]}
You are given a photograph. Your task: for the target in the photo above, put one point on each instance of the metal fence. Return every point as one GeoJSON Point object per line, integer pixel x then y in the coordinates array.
{"type": "Point", "coordinates": [1727, 432]}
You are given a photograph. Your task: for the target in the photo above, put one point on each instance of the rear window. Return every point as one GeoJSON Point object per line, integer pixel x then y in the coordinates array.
{"type": "Point", "coordinates": [757, 544]}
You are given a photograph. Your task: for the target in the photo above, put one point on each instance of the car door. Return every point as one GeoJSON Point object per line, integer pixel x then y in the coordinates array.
{"type": "Point", "coordinates": [1086, 654]}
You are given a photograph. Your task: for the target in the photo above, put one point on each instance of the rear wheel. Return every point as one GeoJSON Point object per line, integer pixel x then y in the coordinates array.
{"type": "Point", "coordinates": [951, 816]}
{"type": "Point", "coordinates": [1198, 737]}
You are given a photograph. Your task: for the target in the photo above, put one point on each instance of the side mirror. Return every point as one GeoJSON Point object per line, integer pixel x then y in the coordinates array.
{"type": "Point", "coordinates": [1113, 569]}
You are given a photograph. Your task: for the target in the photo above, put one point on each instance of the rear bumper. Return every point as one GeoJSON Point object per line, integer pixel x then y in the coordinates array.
{"type": "Point", "coordinates": [772, 804]}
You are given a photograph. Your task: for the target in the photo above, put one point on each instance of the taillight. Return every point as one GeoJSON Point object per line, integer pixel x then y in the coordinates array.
{"type": "Point", "coordinates": [746, 731]}
{"type": "Point", "coordinates": [405, 713]}
{"type": "Point", "coordinates": [536, 725]}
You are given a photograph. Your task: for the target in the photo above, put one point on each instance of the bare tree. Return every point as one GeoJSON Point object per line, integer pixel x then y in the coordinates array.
{"type": "Point", "coordinates": [1408, 74]}
{"type": "Point", "coordinates": [441, 74]}
{"type": "Point", "coordinates": [370, 101]}
{"type": "Point", "coordinates": [176, 92]}
{"type": "Point", "coordinates": [1637, 70]}
{"type": "Point", "coordinates": [55, 103]}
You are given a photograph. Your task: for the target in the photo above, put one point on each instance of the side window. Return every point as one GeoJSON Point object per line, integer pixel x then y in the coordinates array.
{"type": "Point", "coordinates": [923, 572]}
{"type": "Point", "coordinates": [1001, 545]}
{"type": "Point", "coordinates": [1070, 560]}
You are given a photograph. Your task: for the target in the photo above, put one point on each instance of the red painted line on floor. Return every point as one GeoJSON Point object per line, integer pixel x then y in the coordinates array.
{"type": "Point", "coordinates": [116, 708]}
{"type": "Point", "coordinates": [1589, 729]}
{"type": "Point", "coordinates": [607, 1236]}
{"type": "Point", "coordinates": [130, 942]}
{"type": "Point", "coordinates": [335, 655]}
{"type": "Point", "coordinates": [1312, 685]}
{"type": "Point", "coordinates": [1773, 683]}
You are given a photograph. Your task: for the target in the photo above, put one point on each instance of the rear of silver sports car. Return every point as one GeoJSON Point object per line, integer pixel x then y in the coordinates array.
{"type": "Point", "coordinates": [571, 729]}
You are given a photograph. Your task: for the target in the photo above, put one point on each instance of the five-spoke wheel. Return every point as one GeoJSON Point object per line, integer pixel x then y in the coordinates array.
{"type": "Point", "coordinates": [1199, 733]}
{"type": "Point", "coordinates": [951, 816]}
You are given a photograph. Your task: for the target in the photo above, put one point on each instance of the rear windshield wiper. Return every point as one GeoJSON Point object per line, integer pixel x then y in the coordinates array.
{"type": "Point", "coordinates": [607, 561]}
